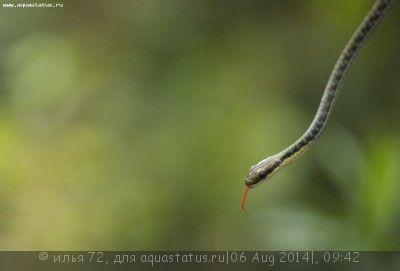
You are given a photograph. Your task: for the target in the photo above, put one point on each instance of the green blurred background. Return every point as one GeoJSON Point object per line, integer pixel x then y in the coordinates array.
{"type": "Point", "coordinates": [131, 125]}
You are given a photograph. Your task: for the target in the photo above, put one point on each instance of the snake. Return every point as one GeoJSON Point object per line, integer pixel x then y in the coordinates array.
{"type": "Point", "coordinates": [268, 167]}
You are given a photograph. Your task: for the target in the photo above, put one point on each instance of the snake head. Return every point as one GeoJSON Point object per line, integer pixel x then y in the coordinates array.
{"type": "Point", "coordinates": [263, 171]}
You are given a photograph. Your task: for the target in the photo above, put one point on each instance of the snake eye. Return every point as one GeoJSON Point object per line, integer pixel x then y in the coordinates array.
{"type": "Point", "coordinates": [262, 175]}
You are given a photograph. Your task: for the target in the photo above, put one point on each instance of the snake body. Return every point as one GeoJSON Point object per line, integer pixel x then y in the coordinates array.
{"type": "Point", "coordinates": [266, 168]}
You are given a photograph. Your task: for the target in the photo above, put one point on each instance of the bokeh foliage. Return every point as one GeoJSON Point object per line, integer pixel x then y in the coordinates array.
{"type": "Point", "coordinates": [132, 125]}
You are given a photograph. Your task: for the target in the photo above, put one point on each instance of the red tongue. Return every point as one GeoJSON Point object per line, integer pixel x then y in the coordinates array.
{"type": "Point", "coordinates": [244, 199]}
